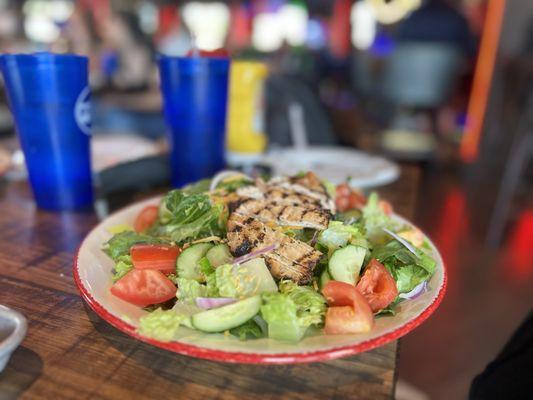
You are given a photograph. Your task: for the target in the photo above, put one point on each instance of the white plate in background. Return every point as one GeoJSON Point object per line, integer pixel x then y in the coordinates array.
{"type": "Point", "coordinates": [336, 164]}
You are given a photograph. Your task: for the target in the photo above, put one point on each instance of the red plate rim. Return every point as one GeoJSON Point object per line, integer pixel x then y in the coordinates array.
{"type": "Point", "coordinates": [257, 358]}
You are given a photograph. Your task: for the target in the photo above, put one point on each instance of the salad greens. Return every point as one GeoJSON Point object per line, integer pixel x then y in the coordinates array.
{"type": "Point", "coordinates": [241, 296]}
{"type": "Point", "coordinates": [120, 244]}
{"type": "Point", "coordinates": [375, 219]}
{"type": "Point", "coordinates": [122, 267]}
{"type": "Point", "coordinates": [293, 310]}
{"type": "Point", "coordinates": [161, 324]}
{"type": "Point", "coordinates": [407, 269]}
{"type": "Point", "coordinates": [184, 216]}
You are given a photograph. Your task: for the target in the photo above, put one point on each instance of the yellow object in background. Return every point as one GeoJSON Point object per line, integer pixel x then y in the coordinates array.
{"type": "Point", "coordinates": [245, 126]}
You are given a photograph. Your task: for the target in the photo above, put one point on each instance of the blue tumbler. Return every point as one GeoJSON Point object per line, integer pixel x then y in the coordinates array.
{"type": "Point", "coordinates": [49, 98]}
{"type": "Point", "coordinates": [195, 96]}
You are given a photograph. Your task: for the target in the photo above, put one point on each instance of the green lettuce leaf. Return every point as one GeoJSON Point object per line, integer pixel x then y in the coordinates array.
{"type": "Point", "coordinates": [122, 267]}
{"type": "Point", "coordinates": [161, 324]}
{"type": "Point", "coordinates": [249, 330]}
{"type": "Point", "coordinates": [339, 235]}
{"type": "Point", "coordinates": [311, 305]}
{"type": "Point", "coordinates": [180, 207]}
{"type": "Point", "coordinates": [209, 273]}
{"type": "Point", "coordinates": [189, 290]}
{"type": "Point", "coordinates": [279, 311]}
{"type": "Point", "coordinates": [375, 219]}
{"type": "Point", "coordinates": [235, 281]}
{"type": "Point", "coordinates": [185, 216]}
{"type": "Point", "coordinates": [289, 313]}
{"type": "Point", "coordinates": [119, 245]}
{"type": "Point", "coordinates": [407, 269]}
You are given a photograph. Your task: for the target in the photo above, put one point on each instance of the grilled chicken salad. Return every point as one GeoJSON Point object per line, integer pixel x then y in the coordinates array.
{"type": "Point", "coordinates": [271, 258]}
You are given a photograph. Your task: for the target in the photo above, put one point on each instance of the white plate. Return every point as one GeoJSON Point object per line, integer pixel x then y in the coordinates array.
{"type": "Point", "coordinates": [336, 164]}
{"type": "Point", "coordinates": [92, 273]}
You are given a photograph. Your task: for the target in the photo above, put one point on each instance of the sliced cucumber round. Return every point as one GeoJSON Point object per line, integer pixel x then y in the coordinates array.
{"type": "Point", "coordinates": [345, 264]}
{"type": "Point", "coordinates": [219, 255]}
{"type": "Point", "coordinates": [227, 317]}
{"type": "Point", "coordinates": [187, 263]}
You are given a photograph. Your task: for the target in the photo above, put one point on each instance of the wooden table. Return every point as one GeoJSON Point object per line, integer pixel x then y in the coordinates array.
{"type": "Point", "coordinates": [69, 353]}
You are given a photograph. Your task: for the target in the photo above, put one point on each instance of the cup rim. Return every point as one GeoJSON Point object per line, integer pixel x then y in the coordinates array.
{"type": "Point", "coordinates": [188, 59]}
{"type": "Point", "coordinates": [42, 57]}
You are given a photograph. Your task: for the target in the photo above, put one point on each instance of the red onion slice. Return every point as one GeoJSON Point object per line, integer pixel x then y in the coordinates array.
{"type": "Point", "coordinates": [417, 291]}
{"type": "Point", "coordinates": [213, 302]}
{"type": "Point", "coordinates": [223, 175]}
{"type": "Point", "coordinates": [255, 254]}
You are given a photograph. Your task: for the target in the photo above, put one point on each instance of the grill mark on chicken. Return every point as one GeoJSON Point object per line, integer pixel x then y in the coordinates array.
{"type": "Point", "coordinates": [292, 259]}
{"type": "Point", "coordinates": [283, 214]}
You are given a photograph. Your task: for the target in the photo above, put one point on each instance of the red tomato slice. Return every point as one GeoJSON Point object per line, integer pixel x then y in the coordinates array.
{"type": "Point", "coordinates": [349, 312]}
{"type": "Point", "coordinates": [143, 287]}
{"type": "Point", "coordinates": [357, 200]}
{"type": "Point", "coordinates": [155, 256]}
{"type": "Point", "coordinates": [377, 286]}
{"type": "Point", "coordinates": [385, 206]}
{"type": "Point", "coordinates": [342, 203]}
{"type": "Point", "coordinates": [343, 190]}
{"type": "Point", "coordinates": [146, 218]}
{"type": "Point", "coordinates": [347, 198]}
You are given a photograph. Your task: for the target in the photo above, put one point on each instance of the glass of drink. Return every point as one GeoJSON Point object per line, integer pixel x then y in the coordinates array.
{"type": "Point", "coordinates": [49, 98]}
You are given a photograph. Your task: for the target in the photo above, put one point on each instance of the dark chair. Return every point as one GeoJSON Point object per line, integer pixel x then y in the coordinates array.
{"type": "Point", "coordinates": [281, 93]}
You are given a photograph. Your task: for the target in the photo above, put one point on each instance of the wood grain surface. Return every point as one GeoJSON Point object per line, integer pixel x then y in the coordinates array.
{"type": "Point", "coordinates": [69, 353]}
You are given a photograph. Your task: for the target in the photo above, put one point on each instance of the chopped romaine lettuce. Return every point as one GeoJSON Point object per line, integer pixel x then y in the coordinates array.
{"type": "Point", "coordinates": [209, 272]}
{"type": "Point", "coordinates": [122, 267]}
{"type": "Point", "coordinates": [249, 330]}
{"type": "Point", "coordinates": [407, 269]}
{"type": "Point", "coordinates": [189, 290]}
{"type": "Point", "coordinates": [120, 244]}
{"type": "Point", "coordinates": [161, 324]}
{"type": "Point", "coordinates": [311, 305]}
{"type": "Point", "coordinates": [279, 311]}
{"type": "Point", "coordinates": [291, 312]}
{"type": "Point", "coordinates": [243, 280]}
{"type": "Point", "coordinates": [375, 219]}
{"type": "Point", "coordinates": [339, 235]}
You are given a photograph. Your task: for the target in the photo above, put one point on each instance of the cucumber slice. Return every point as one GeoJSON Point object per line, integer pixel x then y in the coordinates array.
{"type": "Point", "coordinates": [345, 264]}
{"type": "Point", "coordinates": [187, 263]}
{"type": "Point", "coordinates": [324, 278]}
{"type": "Point", "coordinates": [219, 255]}
{"type": "Point", "coordinates": [227, 317]}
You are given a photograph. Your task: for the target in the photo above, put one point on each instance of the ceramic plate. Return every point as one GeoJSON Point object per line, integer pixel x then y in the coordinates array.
{"type": "Point", "coordinates": [336, 164]}
{"type": "Point", "coordinates": [92, 273]}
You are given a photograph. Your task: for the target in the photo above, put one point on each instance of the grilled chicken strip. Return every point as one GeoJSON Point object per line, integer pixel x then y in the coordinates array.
{"type": "Point", "coordinates": [292, 259]}
{"type": "Point", "coordinates": [284, 213]}
{"type": "Point", "coordinates": [307, 190]}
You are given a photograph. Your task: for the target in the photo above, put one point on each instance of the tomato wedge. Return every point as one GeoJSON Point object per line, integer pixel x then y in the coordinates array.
{"type": "Point", "coordinates": [386, 207]}
{"type": "Point", "coordinates": [348, 199]}
{"type": "Point", "coordinates": [349, 312]}
{"type": "Point", "coordinates": [146, 218]}
{"type": "Point", "coordinates": [155, 256]}
{"type": "Point", "coordinates": [377, 286]}
{"type": "Point", "coordinates": [143, 287]}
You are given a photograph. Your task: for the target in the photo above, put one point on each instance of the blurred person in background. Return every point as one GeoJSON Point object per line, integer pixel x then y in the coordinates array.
{"type": "Point", "coordinates": [438, 21]}
{"type": "Point", "coordinates": [129, 102]}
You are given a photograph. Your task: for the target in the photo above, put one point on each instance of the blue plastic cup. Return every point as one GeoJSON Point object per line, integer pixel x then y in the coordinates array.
{"type": "Point", "coordinates": [49, 98]}
{"type": "Point", "coordinates": [195, 96]}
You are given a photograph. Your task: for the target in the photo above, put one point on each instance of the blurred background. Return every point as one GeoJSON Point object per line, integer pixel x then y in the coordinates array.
{"type": "Point", "coordinates": [443, 88]}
